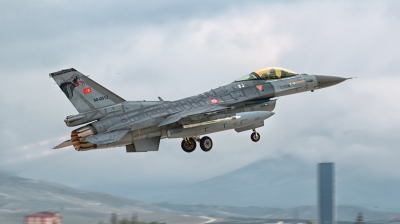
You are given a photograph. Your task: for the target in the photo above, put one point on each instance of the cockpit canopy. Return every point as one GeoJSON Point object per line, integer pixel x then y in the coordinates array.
{"type": "Point", "coordinates": [268, 73]}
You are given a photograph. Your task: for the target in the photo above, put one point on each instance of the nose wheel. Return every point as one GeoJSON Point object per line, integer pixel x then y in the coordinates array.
{"type": "Point", "coordinates": [255, 136]}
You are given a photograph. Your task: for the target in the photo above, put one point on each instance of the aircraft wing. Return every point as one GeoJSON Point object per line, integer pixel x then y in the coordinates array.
{"type": "Point", "coordinates": [202, 110]}
{"type": "Point", "coordinates": [124, 125]}
{"type": "Point", "coordinates": [174, 117]}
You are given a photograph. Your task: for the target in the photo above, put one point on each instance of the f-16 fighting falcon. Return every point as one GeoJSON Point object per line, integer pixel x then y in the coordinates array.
{"type": "Point", "coordinates": [140, 125]}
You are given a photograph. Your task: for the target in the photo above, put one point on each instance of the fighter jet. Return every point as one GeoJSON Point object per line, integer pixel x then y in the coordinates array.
{"type": "Point", "coordinates": [241, 105]}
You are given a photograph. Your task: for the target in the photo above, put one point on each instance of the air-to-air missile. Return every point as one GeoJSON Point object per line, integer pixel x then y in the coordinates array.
{"type": "Point", "coordinates": [241, 105]}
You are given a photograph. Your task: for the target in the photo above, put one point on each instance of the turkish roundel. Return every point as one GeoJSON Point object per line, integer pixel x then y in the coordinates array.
{"type": "Point", "coordinates": [213, 100]}
{"type": "Point", "coordinates": [87, 90]}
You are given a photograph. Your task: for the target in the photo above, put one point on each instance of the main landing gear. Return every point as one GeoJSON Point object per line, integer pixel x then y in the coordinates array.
{"type": "Point", "coordinates": [255, 136]}
{"type": "Point", "coordinates": [206, 144]}
{"type": "Point", "coordinates": [189, 144]}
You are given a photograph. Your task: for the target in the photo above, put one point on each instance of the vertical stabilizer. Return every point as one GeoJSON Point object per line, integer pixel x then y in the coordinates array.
{"type": "Point", "coordinates": [84, 93]}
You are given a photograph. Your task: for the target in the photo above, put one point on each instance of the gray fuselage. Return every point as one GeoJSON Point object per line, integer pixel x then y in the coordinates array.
{"type": "Point", "coordinates": [142, 118]}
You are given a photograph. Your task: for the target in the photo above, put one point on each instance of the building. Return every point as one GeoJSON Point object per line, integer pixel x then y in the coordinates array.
{"type": "Point", "coordinates": [326, 193]}
{"type": "Point", "coordinates": [43, 218]}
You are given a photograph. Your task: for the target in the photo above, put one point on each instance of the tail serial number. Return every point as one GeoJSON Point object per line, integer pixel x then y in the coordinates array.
{"type": "Point", "coordinates": [100, 98]}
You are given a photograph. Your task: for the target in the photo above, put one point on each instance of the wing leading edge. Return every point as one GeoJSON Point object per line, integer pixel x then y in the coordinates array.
{"type": "Point", "coordinates": [176, 117]}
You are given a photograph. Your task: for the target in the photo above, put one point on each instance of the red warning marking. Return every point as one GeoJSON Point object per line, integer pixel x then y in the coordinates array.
{"type": "Point", "coordinates": [87, 90]}
{"type": "Point", "coordinates": [213, 100]}
{"type": "Point", "coordinates": [259, 87]}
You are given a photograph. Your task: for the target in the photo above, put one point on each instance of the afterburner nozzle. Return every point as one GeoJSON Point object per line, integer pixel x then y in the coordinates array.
{"type": "Point", "coordinates": [78, 138]}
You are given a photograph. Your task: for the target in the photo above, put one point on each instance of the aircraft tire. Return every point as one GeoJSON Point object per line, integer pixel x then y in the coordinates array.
{"type": "Point", "coordinates": [206, 143]}
{"type": "Point", "coordinates": [189, 145]}
{"type": "Point", "coordinates": [255, 137]}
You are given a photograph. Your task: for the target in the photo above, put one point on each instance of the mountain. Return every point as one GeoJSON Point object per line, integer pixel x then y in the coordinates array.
{"type": "Point", "coordinates": [273, 183]}
{"type": "Point", "coordinates": [266, 181]}
{"type": "Point", "coordinates": [287, 182]}
{"type": "Point", "coordinates": [20, 196]}
{"type": "Point", "coordinates": [345, 212]}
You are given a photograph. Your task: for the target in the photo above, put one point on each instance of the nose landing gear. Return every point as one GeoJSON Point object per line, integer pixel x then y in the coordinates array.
{"type": "Point", "coordinates": [255, 136]}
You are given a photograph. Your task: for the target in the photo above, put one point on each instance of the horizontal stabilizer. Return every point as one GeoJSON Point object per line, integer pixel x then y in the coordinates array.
{"type": "Point", "coordinates": [202, 110]}
{"type": "Point", "coordinates": [107, 138]}
{"type": "Point", "coordinates": [64, 144]}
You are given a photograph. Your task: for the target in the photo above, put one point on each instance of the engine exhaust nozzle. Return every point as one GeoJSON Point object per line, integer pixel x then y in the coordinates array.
{"type": "Point", "coordinates": [78, 138]}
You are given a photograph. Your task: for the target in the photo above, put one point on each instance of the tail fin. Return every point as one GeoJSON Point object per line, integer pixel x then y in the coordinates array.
{"type": "Point", "coordinates": [84, 93]}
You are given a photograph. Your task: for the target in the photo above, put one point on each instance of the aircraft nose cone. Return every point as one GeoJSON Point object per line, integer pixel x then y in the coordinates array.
{"type": "Point", "coordinates": [326, 81]}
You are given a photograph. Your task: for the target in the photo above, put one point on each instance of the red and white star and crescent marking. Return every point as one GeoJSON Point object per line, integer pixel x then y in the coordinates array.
{"type": "Point", "coordinates": [87, 90]}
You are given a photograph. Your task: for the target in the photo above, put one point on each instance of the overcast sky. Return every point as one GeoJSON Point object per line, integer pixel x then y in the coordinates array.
{"type": "Point", "coordinates": [145, 49]}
